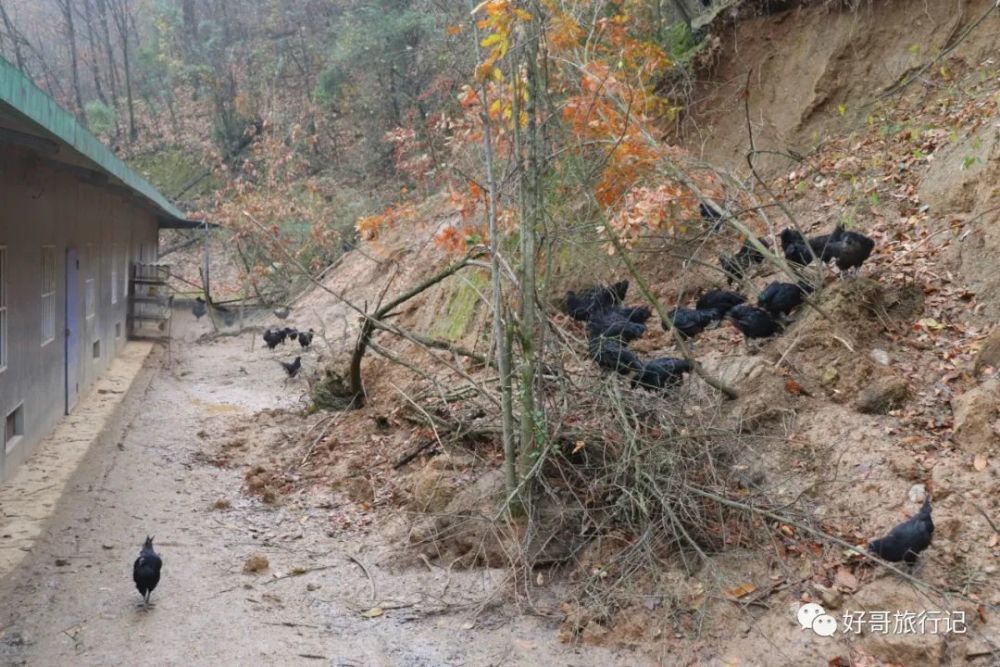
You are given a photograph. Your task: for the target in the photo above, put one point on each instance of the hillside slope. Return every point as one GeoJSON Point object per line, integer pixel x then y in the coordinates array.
{"type": "Point", "coordinates": [885, 394]}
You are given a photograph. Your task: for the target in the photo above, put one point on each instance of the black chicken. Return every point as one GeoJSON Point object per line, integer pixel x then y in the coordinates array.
{"type": "Point", "coordinates": [614, 323]}
{"type": "Point", "coordinates": [719, 301]}
{"type": "Point", "coordinates": [274, 337]}
{"type": "Point", "coordinates": [795, 247]}
{"type": "Point", "coordinates": [689, 321]}
{"type": "Point", "coordinates": [732, 267]}
{"type": "Point", "coordinates": [749, 252]}
{"type": "Point", "coordinates": [753, 322]}
{"type": "Point", "coordinates": [146, 571]}
{"type": "Point", "coordinates": [199, 308]}
{"type": "Point", "coordinates": [663, 373]}
{"type": "Point", "coordinates": [306, 338]}
{"type": "Point", "coordinates": [799, 253]}
{"type": "Point", "coordinates": [292, 368]}
{"type": "Point", "coordinates": [736, 266]}
{"type": "Point", "coordinates": [851, 249]}
{"type": "Point", "coordinates": [637, 314]}
{"type": "Point", "coordinates": [588, 302]}
{"type": "Point", "coordinates": [802, 251]}
{"type": "Point", "coordinates": [823, 245]}
{"type": "Point", "coordinates": [612, 355]}
{"type": "Point", "coordinates": [780, 299]}
{"type": "Point", "coordinates": [906, 540]}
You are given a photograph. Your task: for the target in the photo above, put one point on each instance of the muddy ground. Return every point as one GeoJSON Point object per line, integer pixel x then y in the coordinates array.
{"type": "Point", "coordinates": [329, 595]}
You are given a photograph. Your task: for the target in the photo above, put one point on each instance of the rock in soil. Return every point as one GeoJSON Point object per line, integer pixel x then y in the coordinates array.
{"type": "Point", "coordinates": [883, 395]}
{"type": "Point", "coordinates": [976, 418]}
{"type": "Point", "coordinates": [256, 563]}
{"type": "Point", "coordinates": [989, 353]}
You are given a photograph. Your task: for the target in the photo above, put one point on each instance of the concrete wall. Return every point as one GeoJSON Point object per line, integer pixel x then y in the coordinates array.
{"type": "Point", "coordinates": [43, 205]}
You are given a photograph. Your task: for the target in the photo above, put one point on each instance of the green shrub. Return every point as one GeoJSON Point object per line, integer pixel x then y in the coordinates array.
{"type": "Point", "coordinates": [100, 117]}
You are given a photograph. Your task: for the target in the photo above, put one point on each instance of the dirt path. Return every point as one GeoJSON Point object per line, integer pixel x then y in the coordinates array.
{"type": "Point", "coordinates": [73, 603]}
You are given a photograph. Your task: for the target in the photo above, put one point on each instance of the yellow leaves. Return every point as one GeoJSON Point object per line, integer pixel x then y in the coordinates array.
{"type": "Point", "coordinates": [930, 324]}
{"type": "Point", "coordinates": [489, 41]}
{"type": "Point", "coordinates": [501, 16]}
{"type": "Point", "coordinates": [486, 71]}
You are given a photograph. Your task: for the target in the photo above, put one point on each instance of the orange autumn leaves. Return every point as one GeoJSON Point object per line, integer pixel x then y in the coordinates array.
{"type": "Point", "coordinates": [601, 109]}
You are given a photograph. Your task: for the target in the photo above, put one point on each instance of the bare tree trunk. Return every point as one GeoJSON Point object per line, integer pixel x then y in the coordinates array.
{"type": "Point", "coordinates": [121, 14]}
{"type": "Point", "coordinates": [15, 38]}
{"type": "Point", "coordinates": [501, 340]}
{"type": "Point", "coordinates": [70, 31]}
{"type": "Point", "coordinates": [95, 66]}
{"type": "Point", "coordinates": [109, 52]}
{"type": "Point", "coordinates": [190, 21]}
{"type": "Point", "coordinates": [531, 212]}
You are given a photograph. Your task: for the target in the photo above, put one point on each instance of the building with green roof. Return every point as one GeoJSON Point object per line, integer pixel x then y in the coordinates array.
{"type": "Point", "coordinates": [74, 219]}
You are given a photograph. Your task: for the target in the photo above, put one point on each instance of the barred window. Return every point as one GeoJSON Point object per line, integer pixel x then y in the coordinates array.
{"type": "Point", "coordinates": [48, 294]}
{"type": "Point", "coordinates": [90, 284]}
{"type": "Point", "coordinates": [3, 307]}
{"type": "Point", "coordinates": [114, 274]}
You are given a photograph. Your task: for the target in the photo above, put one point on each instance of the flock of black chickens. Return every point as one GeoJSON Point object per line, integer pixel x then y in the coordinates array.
{"type": "Point", "coordinates": [275, 336]}
{"type": "Point", "coordinates": [611, 326]}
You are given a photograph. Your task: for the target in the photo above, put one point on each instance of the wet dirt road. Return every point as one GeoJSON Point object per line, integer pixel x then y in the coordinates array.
{"type": "Point", "coordinates": [72, 601]}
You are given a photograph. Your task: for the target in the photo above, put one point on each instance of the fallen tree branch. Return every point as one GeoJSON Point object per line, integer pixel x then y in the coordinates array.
{"type": "Point", "coordinates": [298, 572]}
{"type": "Point", "coordinates": [371, 580]}
{"type": "Point", "coordinates": [372, 322]}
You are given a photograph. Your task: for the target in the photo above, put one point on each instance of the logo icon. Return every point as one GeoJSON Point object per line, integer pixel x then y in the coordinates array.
{"type": "Point", "coordinates": [813, 617]}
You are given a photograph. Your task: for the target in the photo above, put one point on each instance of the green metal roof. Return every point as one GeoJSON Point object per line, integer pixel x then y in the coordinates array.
{"type": "Point", "coordinates": [23, 96]}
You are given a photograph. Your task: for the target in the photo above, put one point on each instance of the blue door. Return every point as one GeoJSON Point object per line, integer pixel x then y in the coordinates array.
{"type": "Point", "coordinates": [72, 328]}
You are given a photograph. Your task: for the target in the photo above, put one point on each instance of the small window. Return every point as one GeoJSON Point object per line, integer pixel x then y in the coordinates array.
{"type": "Point", "coordinates": [14, 428]}
{"type": "Point", "coordinates": [3, 308]}
{"type": "Point", "coordinates": [97, 350]}
{"type": "Point", "coordinates": [48, 294]}
{"type": "Point", "coordinates": [118, 330]}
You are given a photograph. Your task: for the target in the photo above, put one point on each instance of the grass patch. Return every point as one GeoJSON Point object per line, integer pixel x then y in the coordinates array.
{"type": "Point", "coordinates": [453, 322]}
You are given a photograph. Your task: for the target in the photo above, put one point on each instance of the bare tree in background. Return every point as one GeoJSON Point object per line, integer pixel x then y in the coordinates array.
{"type": "Point", "coordinates": [121, 14]}
{"type": "Point", "coordinates": [92, 53]}
{"type": "Point", "coordinates": [15, 38]}
{"type": "Point", "coordinates": [109, 53]}
{"type": "Point", "coordinates": [69, 31]}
